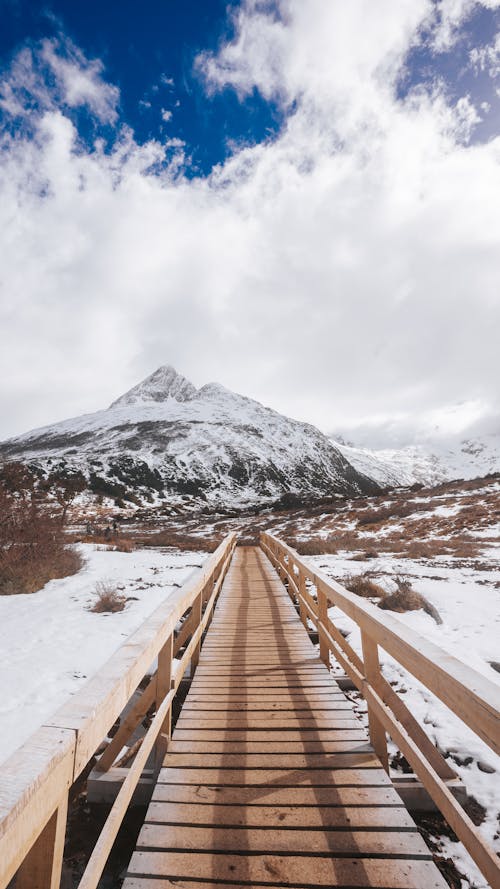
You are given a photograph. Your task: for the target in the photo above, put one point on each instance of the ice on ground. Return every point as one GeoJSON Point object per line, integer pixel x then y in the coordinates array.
{"type": "Point", "coordinates": [50, 643]}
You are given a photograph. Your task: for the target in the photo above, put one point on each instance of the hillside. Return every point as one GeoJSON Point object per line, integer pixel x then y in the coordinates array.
{"type": "Point", "coordinates": [165, 441]}
{"type": "Point", "coordinates": [430, 463]}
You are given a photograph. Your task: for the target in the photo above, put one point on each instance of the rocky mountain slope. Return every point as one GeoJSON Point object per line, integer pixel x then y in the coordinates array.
{"type": "Point", "coordinates": [430, 463]}
{"type": "Point", "coordinates": [165, 440]}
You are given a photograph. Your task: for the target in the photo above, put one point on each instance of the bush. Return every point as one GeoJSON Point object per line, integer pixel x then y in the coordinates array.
{"type": "Point", "coordinates": [405, 598]}
{"type": "Point", "coordinates": [108, 598]}
{"type": "Point", "coordinates": [33, 547]}
{"type": "Point", "coordinates": [185, 542]}
{"type": "Point", "coordinates": [363, 586]}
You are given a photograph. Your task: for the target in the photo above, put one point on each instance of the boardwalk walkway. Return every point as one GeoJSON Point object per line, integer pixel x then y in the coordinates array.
{"type": "Point", "coordinates": [269, 779]}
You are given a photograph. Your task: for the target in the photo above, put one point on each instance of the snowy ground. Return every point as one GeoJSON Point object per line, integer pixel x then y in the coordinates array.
{"type": "Point", "coordinates": [50, 643]}
{"type": "Point", "coordinates": [468, 601]}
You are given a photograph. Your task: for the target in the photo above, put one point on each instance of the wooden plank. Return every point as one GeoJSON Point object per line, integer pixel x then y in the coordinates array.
{"type": "Point", "coordinates": [337, 760]}
{"type": "Point", "coordinates": [272, 687]}
{"type": "Point", "coordinates": [264, 736]}
{"type": "Point", "coordinates": [299, 707]}
{"type": "Point", "coordinates": [284, 816]}
{"type": "Point", "coordinates": [251, 697]}
{"type": "Point", "coordinates": [334, 795]}
{"type": "Point", "coordinates": [267, 840]}
{"type": "Point", "coordinates": [269, 747]}
{"type": "Point", "coordinates": [366, 773]}
{"type": "Point", "coordinates": [288, 869]}
{"type": "Point", "coordinates": [270, 720]}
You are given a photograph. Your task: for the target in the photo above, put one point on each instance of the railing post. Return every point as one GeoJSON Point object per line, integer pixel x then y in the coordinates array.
{"type": "Point", "coordinates": [212, 580]}
{"type": "Point", "coordinates": [372, 675]}
{"type": "Point", "coordinates": [42, 867]}
{"type": "Point", "coordinates": [324, 650]}
{"type": "Point", "coordinates": [197, 614]}
{"type": "Point", "coordinates": [302, 591]}
{"type": "Point", "coordinates": [163, 686]}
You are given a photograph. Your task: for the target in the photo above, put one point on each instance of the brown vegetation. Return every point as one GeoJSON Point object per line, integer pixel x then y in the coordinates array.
{"type": "Point", "coordinates": [33, 546]}
{"type": "Point", "coordinates": [405, 598]}
{"type": "Point", "coordinates": [185, 542]}
{"type": "Point", "coordinates": [362, 585]}
{"type": "Point", "coordinates": [108, 598]}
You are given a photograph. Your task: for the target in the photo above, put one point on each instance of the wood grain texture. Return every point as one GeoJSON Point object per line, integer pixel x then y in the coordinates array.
{"type": "Point", "coordinates": [269, 778]}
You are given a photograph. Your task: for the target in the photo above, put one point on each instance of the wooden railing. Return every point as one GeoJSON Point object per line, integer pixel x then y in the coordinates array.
{"type": "Point", "coordinates": [35, 781]}
{"type": "Point", "coordinates": [472, 697]}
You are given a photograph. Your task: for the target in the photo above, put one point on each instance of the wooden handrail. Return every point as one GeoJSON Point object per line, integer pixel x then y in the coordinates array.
{"type": "Point", "coordinates": [35, 781]}
{"type": "Point", "coordinates": [471, 696]}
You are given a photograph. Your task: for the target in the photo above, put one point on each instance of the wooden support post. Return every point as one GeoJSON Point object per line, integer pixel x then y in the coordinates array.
{"type": "Point", "coordinates": [42, 867]}
{"type": "Point", "coordinates": [209, 588]}
{"type": "Point", "coordinates": [324, 649]}
{"type": "Point", "coordinates": [197, 614]}
{"type": "Point", "coordinates": [303, 592]}
{"type": "Point", "coordinates": [163, 686]}
{"type": "Point", "coordinates": [373, 677]}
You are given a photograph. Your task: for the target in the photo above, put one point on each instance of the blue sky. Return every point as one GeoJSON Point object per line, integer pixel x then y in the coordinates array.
{"type": "Point", "coordinates": [148, 50]}
{"type": "Point", "coordinates": [297, 198]}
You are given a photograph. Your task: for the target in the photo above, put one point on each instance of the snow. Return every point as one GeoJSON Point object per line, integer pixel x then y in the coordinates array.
{"type": "Point", "coordinates": [468, 601]}
{"type": "Point", "coordinates": [226, 449]}
{"type": "Point", "coordinates": [50, 643]}
{"type": "Point", "coordinates": [427, 463]}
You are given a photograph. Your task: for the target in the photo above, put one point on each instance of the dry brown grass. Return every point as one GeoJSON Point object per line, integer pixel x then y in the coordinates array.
{"type": "Point", "coordinates": [182, 541]}
{"type": "Point", "coordinates": [108, 599]}
{"type": "Point", "coordinates": [405, 598]}
{"type": "Point", "coordinates": [321, 546]}
{"type": "Point", "coordinates": [362, 585]}
{"type": "Point", "coordinates": [365, 555]}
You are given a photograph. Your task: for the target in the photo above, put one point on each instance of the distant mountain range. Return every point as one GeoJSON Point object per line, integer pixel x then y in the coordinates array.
{"type": "Point", "coordinates": [429, 464]}
{"type": "Point", "coordinates": [165, 441]}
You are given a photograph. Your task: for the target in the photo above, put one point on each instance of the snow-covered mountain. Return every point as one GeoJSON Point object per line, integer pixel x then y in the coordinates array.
{"type": "Point", "coordinates": [430, 463]}
{"type": "Point", "coordinates": [167, 440]}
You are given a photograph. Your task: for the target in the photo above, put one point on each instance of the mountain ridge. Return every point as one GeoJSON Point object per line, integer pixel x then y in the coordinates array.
{"type": "Point", "coordinates": [429, 463]}
{"type": "Point", "coordinates": [166, 441]}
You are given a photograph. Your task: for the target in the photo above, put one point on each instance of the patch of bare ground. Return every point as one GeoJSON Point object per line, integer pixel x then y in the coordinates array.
{"type": "Point", "coordinates": [433, 828]}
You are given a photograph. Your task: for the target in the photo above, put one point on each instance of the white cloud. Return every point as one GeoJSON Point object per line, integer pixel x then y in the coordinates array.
{"type": "Point", "coordinates": [449, 16]}
{"type": "Point", "coordinates": [345, 272]}
{"type": "Point", "coordinates": [56, 73]}
{"type": "Point", "coordinates": [487, 58]}
{"type": "Point", "coordinates": [166, 116]}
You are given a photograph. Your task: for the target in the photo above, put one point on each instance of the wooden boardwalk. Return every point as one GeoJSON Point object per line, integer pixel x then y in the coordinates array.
{"type": "Point", "coordinates": [269, 779]}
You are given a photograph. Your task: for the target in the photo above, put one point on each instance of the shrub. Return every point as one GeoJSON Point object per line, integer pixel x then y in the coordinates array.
{"type": "Point", "coordinates": [365, 555]}
{"type": "Point", "coordinates": [33, 546]}
{"type": "Point", "coordinates": [182, 541]}
{"type": "Point", "coordinates": [108, 598]}
{"type": "Point", "coordinates": [405, 598]}
{"type": "Point", "coordinates": [363, 586]}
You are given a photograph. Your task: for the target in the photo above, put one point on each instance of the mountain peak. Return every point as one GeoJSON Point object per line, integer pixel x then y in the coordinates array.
{"type": "Point", "coordinates": [165, 383]}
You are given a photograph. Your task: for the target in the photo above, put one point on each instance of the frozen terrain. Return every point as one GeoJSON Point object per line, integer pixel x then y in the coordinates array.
{"type": "Point", "coordinates": [50, 643]}
{"type": "Point", "coordinates": [167, 442]}
{"type": "Point", "coordinates": [429, 463]}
